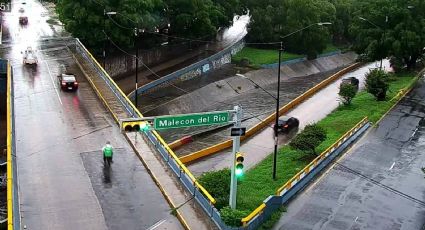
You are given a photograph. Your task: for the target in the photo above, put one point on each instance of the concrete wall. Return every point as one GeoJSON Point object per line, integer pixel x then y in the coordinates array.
{"type": "Point", "coordinates": [225, 89]}
{"type": "Point", "coordinates": [123, 65]}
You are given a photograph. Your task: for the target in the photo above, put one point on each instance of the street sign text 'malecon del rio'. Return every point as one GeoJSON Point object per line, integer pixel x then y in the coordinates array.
{"type": "Point", "coordinates": [190, 120]}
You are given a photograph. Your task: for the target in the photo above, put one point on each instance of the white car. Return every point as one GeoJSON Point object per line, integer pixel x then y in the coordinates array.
{"type": "Point", "coordinates": [30, 57]}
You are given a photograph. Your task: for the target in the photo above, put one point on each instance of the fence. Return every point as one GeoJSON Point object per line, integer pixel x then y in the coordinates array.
{"type": "Point", "coordinates": [195, 70]}
{"type": "Point", "coordinates": [303, 177]}
{"type": "Point", "coordinates": [251, 131]}
{"type": "Point", "coordinates": [204, 199]}
{"type": "Point", "coordinates": [13, 213]}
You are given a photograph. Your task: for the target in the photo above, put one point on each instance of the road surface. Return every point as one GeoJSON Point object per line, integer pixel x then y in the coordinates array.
{"type": "Point", "coordinates": [63, 183]}
{"type": "Point", "coordinates": [377, 185]}
{"type": "Point", "coordinates": [261, 145]}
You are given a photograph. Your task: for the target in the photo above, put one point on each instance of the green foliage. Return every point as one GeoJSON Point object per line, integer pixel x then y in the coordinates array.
{"type": "Point", "coordinates": [232, 217]}
{"type": "Point", "coordinates": [390, 28]}
{"type": "Point", "coordinates": [258, 184]}
{"type": "Point", "coordinates": [347, 93]}
{"type": "Point", "coordinates": [309, 139]}
{"type": "Point", "coordinates": [263, 56]}
{"type": "Point", "coordinates": [274, 218]}
{"type": "Point", "coordinates": [376, 83]}
{"type": "Point", "coordinates": [193, 18]}
{"type": "Point", "coordinates": [217, 183]}
{"type": "Point", "coordinates": [86, 19]}
{"type": "Point", "coordinates": [274, 19]}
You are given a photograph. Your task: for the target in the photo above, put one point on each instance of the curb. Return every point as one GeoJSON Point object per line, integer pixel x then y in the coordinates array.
{"type": "Point", "coordinates": [164, 193]}
{"type": "Point", "coordinates": [167, 198]}
{"type": "Point", "coordinates": [406, 91]}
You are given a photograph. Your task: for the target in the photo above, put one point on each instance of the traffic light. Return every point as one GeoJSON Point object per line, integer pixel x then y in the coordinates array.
{"type": "Point", "coordinates": [135, 126]}
{"type": "Point", "coordinates": [239, 164]}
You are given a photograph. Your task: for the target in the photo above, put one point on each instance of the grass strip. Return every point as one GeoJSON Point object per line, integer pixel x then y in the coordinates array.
{"type": "Point", "coordinates": [257, 183]}
{"type": "Point", "coordinates": [258, 57]}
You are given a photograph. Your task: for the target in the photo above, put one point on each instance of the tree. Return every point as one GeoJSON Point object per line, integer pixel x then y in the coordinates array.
{"type": "Point", "coordinates": [376, 83]}
{"type": "Point", "coordinates": [390, 28]}
{"type": "Point", "coordinates": [273, 19]}
{"type": "Point", "coordinates": [347, 93]}
{"type": "Point", "coordinates": [195, 18]}
{"type": "Point", "coordinates": [86, 19]}
{"type": "Point", "coordinates": [308, 140]}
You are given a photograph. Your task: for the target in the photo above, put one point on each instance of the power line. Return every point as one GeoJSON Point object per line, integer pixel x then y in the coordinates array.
{"type": "Point", "coordinates": [175, 86]}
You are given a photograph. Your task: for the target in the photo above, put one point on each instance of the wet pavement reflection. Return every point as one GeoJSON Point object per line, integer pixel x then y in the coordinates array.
{"type": "Point", "coordinates": [378, 184]}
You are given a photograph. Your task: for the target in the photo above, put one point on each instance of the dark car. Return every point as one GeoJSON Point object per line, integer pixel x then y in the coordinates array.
{"type": "Point", "coordinates": [287, 124]}
{"type": "Point", "coordinates": [68, 81]}
{"type": "Point", "coordinates": [351, 80]}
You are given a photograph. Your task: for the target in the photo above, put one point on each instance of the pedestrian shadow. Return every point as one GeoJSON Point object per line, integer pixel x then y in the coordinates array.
{"type": "Point", "coordinates": [107, 175]}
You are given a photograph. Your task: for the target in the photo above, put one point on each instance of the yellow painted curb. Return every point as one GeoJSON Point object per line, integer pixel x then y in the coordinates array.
{"type": "Point", "coordinates": [259, 126]}
{"type": "Point", "coordinates": [158, 184]}
{"type": "Point", "coordinates": [9, 150]}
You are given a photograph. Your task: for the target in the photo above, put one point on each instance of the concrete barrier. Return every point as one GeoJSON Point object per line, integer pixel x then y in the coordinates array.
{"type": "Point", "coordinates": [285, 109]}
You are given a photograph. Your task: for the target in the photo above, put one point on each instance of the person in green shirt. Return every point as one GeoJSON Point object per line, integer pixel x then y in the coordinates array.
{"type": "Point", "coordinates": [107, 152]}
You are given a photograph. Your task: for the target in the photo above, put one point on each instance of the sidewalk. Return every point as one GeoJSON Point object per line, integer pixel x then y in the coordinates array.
{"type": "Point", "coordinates": [190, 214]}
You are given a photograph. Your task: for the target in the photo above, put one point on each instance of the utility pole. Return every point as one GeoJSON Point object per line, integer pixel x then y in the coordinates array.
{"type": "Point", "coordinates": [236, 144]}
{"type": "Point", "coordinates": [277, 114]}
{"type": "Point", "coordinates": [136, 34]}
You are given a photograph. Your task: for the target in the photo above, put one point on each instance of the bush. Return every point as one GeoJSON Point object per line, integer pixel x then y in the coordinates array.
{"type": "Point", "coordinates": [232, 217]}
{"type": "Point", "coordinates": [311, 137]}
{"type": "Point", "coordinates": [376, 83]}
{"type": "Point", "coordinates": [347, 92]}
{"type": "Point", "coordinates": [217, 183]}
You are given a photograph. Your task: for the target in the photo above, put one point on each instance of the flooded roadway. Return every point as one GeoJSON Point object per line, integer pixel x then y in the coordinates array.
{"type": "Point", "coordinates": [261, 145]}
{"type": "Point", "coordinates": [378, 184]}
{"type": "Point", "coordinates": [62, 181]}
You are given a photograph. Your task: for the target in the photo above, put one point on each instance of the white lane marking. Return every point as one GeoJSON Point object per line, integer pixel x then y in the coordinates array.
{"type": "Point", "coordinates": [414, 132]}
{"type": "Point", "coordinates": [53, 82]}
{"type": "Point", "coordinates": [392, 166]}
{"type": "Point", "coordinates": [156, 225]}
{"type": "Point", "coordinates": [356, 219]}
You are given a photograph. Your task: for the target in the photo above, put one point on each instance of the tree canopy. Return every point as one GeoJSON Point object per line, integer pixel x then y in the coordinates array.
{"type": "Point", "coordinates": [390, 28]}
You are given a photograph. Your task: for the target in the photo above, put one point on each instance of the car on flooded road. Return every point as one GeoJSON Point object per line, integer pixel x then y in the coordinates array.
{"type": "Point", "coordinates": [286, 124]}
{"type": "Point", "coordinates": [68, 82]}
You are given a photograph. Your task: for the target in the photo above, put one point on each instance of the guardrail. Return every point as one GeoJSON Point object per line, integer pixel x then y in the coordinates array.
{"type": "Point", "coordinates": [303, 177]}
{"type": "Point", "coordinates": [200, 68]}
{"type": "Point", "coordinates": [201, 195]}
{"type": "Point", "coordinates": [286, 108]}
{"type": "Point", "coordinates": [13, 213]}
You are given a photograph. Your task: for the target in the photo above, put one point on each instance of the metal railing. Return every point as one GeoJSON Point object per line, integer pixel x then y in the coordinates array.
{"type": "Point", "coordinates": [195, 66]}
{"type": "Point", "coordinates": [202, 196]}
{"type": "Point", "coordinates": [303, 177]}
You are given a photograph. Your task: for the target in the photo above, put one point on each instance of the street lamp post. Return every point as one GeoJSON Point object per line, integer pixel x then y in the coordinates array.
{"type": "Point", "coordinates": [278, 90]}
{"type": "Point", "coordinates": [383, 34]}
{"type": "Point", "coordinates": [136, 35]}
{"type": "Point", "coordinates": [278, 93]}
{"type": "Point", "coordinates": [105, 14]}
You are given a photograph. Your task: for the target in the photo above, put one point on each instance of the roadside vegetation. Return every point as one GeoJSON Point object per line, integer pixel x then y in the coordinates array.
{"type": "Point", "coordinates": [257, 183]}
{"type": "Point", "coordinates": [256, 57]}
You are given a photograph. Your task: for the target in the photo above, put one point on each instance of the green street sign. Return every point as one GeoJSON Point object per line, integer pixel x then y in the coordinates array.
{"type": "Point", "coordinates": [191, 120]}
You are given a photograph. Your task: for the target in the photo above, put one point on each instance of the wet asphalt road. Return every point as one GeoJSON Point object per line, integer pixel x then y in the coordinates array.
{"type": "Point", "coordinates": [62, 180]}
{"type": "Point", "coordinates": [259, 146]}
{"type": "Point", "coordinates": [378, 184]}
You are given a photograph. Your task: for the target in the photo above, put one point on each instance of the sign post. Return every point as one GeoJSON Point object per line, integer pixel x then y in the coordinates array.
{"type": "Point", "coordinates": [236, 145]}
{"type": "Point", "coordinates": [197, 119]}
